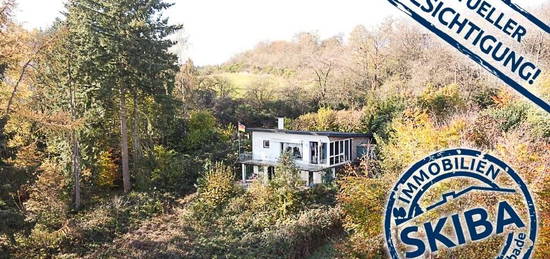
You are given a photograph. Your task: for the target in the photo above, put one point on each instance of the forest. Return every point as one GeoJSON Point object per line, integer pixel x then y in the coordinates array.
{"type": "Point", "coordinates": [111, 146]}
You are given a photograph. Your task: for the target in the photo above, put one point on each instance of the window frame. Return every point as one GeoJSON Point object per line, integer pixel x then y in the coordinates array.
{"type": "Point", "coordinates": [340, 152]}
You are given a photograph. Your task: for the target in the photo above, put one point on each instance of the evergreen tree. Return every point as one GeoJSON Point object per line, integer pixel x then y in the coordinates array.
{"type": "Point", "coordinates": [124, 46]}
{"type": "Point", "coordinates": [62, 92]}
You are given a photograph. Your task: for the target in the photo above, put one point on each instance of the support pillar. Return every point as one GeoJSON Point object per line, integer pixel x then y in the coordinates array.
{"type": "Point", "coordinates": [244, 173]}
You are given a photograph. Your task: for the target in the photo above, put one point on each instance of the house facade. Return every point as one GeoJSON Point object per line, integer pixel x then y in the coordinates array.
{"type": "Point", "coordinates": [316, 154]}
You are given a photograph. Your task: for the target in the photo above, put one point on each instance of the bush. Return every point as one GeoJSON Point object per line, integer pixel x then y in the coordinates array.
{"type": "Point", "coordinates": [327, 119]}
{"type": "Point", "coordinates": [414, 135]}
{"type": "Point", "coordinates": [286, 187]}
{"type": "Point", "coordinates": [49, 198]}
{"type": "Point", "coordinates": [378, 115]}
{"type": "Point", "coordinates": [296, 238]}
{"type": "Point", "coordinates": [540, 122]}
{"type": "Point", "coordinates": [215, 188]}
{"type": "Point", "coordinates": [108, 170]}
{"type": "Point", "coordinates": [114, 217]}
{"type": "Point", "coordinates": [202, 130]}
{"type": "Point", "coordinates": [441, 102]}
{"type": "Point", "coordinates": [13, 222]}
{"type": "Point", "coordinates": [485, 97]}
{"type": "Point", "coordinates": [93, 227]}
{"type": "Point", "coordinates": [323, 120]}
{"type": "Point", "coordinates": [510, 115]}
{"type": "Point", "coordinates": [171, 171]}
{"type": "Point", "coordinates": [43, 242]}
{"type": "Point", "coordinates": [363, 200]}
{"type": "Point", "coordinates": [244, 233]}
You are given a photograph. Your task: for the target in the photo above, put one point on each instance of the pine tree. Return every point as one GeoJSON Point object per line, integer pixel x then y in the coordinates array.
{"type": "Point", "coordinates": [125, 50]}
{"type": "Point", "coordinates": [62, 93]}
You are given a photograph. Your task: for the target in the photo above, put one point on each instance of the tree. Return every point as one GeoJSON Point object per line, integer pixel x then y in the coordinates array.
{"type": "Point", "coordinates": [126, 46]}
{"type": "Point", "coordinates": [187, 82]}
{"type": "Point", "coordinates": [57, 73]}
{"type": "Point", "coordinates": [202, 130]}
{"type": "Point", "coordinates": [260, 92]}
{"type": "Point", "coordinates": [13, 176]}
{"type": "Point", "coordinates": [6, 9]}
{"type": "Point", "coordinates": [286, 186]}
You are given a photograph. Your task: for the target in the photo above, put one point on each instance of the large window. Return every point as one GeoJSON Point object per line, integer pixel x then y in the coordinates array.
{"type": "Point", "coordinates": [295, 150]}
{"type": "Point", "coordinates": [314, 152]}
{"type": "Point", "coordinates": [323, 153]}
{"type": "Point", "coordinates": [340, 151]}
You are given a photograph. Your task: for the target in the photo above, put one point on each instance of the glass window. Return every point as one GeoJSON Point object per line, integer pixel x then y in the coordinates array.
{"type": "Point", "coordinates": [270, 172]}
{"type": "Point", "coordinates": [323, 153]}
{"type": "Point", "coordinates": [313, 152]}
{"type": "Point", "coordinates": [350, 149]}
{"type": "Point", "coordinates": [346, 150]}
{"type": "Point", "coordinates": [332, 148]}
{"type": "Point", "coordinates": [266, 143]}
{"type": "Point", "coordinates": [295, 150]}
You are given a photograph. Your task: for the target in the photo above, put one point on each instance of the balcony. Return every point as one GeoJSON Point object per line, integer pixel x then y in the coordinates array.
{"type": "Point", "coordinates": [245, 156]}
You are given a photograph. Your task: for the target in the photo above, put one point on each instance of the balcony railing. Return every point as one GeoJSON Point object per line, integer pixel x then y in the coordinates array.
{"type": "Point", "coordinates": [245, 156]}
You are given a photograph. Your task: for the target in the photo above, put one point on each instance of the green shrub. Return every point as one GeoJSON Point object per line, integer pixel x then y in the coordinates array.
{"type": "Point", "coordinates": [202, 129]}
{"type": "Point", "coordinates": [171, 171]}
{"type": "Point", "coordinates": [510, 115]}
{"type": "Point", "coordinates": [362, 200]}
{"type": "Point", "coordinates": [286, 186]}
{"type": "Point", "coordinates": [298, 237]}
{"type": "Point", "coordinates": [441, 102]}
{"type": "Point", "coordinates": [244, 234]}
{"type": "Point", "coordinates": [539, 121]}
{"type": "Point", "coordinates": [91, 228]}
{"type": "Point", "coordinates": [379, 113]}
{"type": "Point", "coordinates": [215, 188]}
{"type": "Point", "coordinates": [43, 242]}
{"type": "Point", "coordinates": [484, 97]}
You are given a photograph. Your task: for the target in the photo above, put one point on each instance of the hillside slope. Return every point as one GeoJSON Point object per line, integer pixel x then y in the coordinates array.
{"type": "Point", "coordinates": [179, 235]}
{"type": "Point", "coordinates": [158, 237]}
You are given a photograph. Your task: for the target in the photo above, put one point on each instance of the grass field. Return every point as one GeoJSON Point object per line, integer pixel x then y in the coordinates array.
{"type": "Point", "coordinates": [242, 80]}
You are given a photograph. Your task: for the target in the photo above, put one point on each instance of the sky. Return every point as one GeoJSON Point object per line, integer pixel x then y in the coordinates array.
{"type": "Point", "coordinates": [216, 30]}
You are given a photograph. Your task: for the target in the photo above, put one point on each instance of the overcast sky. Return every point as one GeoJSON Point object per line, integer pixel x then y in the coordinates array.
{"type": "Point", "coordinates": [218, 29]}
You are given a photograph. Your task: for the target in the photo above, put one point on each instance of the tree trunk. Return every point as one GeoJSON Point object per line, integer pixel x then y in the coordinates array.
{"type": "Point", "coordinates": [14, 91]}
{"type": "Point", "coordinates": [75, 146]}
{"type": "Point", "coordinates": [136, 145]}
{"type": "Point", "coordinates": [76, 168]}
{"type": "Point", "coordinates": [124, 141]}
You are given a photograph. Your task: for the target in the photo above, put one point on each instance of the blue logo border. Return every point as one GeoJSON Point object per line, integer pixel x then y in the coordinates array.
{"type": "Point", "coordinates": [469, 152]}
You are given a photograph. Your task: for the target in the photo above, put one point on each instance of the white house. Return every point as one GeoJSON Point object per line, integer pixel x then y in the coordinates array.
{"type": "Point", "coordinates": [316, 154]}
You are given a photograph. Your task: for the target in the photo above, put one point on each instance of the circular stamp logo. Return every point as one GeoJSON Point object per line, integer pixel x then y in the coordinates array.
{"type": "Point", "coordinates": [460, 199]}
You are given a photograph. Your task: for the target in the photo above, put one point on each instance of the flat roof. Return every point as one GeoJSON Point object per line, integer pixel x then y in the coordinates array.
{"type": "Point", "coordinates": [315, 133]}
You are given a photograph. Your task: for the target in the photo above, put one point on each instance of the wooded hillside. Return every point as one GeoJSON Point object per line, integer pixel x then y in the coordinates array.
{"type": "Point", "coordinates": [106, 141]}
